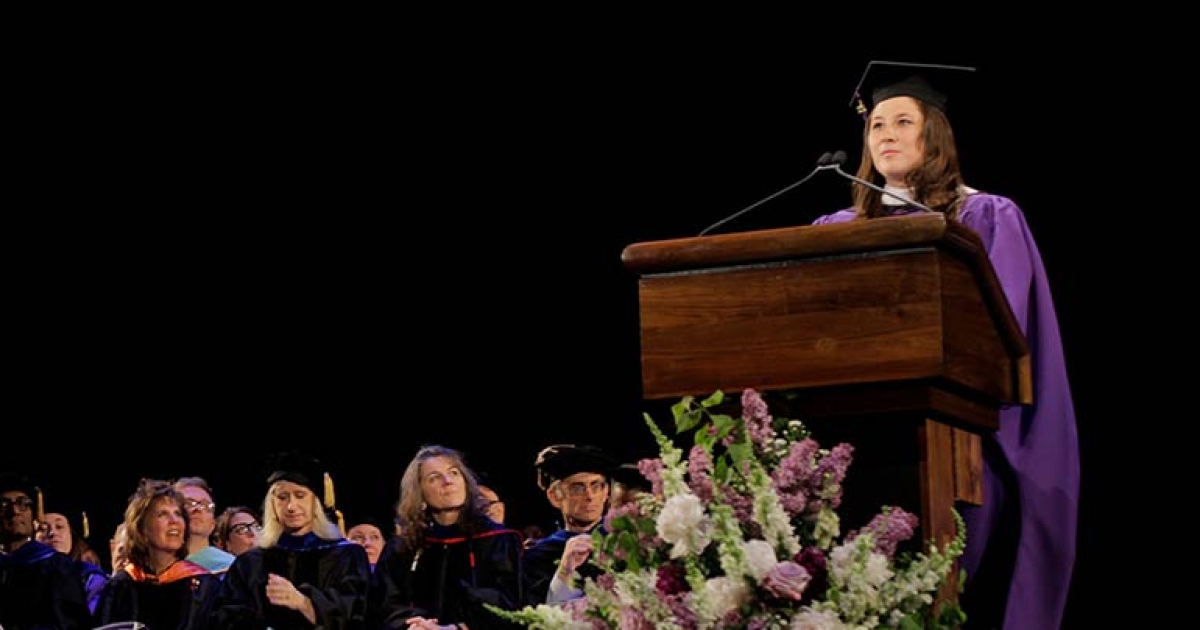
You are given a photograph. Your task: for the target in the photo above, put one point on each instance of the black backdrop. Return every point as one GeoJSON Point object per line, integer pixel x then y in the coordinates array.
{"type": "Point", "coordinates": [216, 260]}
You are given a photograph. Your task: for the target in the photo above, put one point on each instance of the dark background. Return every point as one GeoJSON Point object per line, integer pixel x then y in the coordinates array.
{"type": "Point", "coordinates": [212, 258]}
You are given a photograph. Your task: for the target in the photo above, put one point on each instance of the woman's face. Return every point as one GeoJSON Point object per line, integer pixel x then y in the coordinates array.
{"type": "Point", "coordinates": [56, 532]}
{"type": "Point", "coordinates": [894, 138]}
{"type": "Point", "coordinates": [442, 483]}
{"type": "Point", "coordinates": [294, 505]}
{"type": "Point", "coordinates": [370, 537]}
{"type": "Point", "coordinates": [243, 533]}
{"type": "Point", "coordinates": [165, 526]}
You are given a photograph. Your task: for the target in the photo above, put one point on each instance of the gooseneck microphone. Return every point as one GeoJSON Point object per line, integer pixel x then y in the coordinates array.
{"type": "Point", "coordinates": [824, 159]}
{"type": "Point", "coordinates": [827, 162]}
{"type": "Point", "coordinates": [835, 162]}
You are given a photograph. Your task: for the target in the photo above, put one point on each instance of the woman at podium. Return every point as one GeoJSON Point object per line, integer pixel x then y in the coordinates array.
{"type": "Point", "coordinates": [1021, 541]}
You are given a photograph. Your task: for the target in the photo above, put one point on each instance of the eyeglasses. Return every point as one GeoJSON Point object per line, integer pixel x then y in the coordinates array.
{"type": "Point", "coordinates": [579, 488]}
{"type": "Point", "coordinates": [245, 529]}
{"type": "Point", "coordinates": [193, 505]}
{"type": "Point", "coordinates": [19, 504]}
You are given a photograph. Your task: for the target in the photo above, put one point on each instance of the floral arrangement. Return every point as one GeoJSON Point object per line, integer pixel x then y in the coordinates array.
{"type": "Point", "coordinates": [744, 533]}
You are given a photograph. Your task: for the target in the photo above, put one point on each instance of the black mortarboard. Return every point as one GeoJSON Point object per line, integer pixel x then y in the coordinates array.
{"type": "Point", "coordinates": [365, 518]}
{"type": "Point", "coordinates": [629, 476]}
{"type": "Point", "coordinates": [928, 82]}
{"type": "Point", "coordinates": [299, 468]}
{"type": "Point", "coordinates": [563, 460]}
{"type": "Point", "coordinates": [309, 472]}
{"type": "Point", "coordinates": [20, 483]}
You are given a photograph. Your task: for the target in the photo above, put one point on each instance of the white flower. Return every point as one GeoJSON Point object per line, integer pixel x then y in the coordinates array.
{"type": "Point", "coordinates": [809, 619]}
{"type": "Point", "coordinates": [723, 595]}
{"type": "Point", "coordinates": [760, 557]}
{"type": "Point", "coordinates": [684, 524]}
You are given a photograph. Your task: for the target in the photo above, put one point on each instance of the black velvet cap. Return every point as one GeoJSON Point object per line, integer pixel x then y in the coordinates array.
{"type": "Point", "coordinates": [298, 468]}
{"type": "Point", "coordinates": [364, 518]}
{"type": "Point", "coordinates": [927, 82]}
{"type": "Point", "coordinates": [12, 481]}
{"type": "Point", "coordinates": [563, 460]}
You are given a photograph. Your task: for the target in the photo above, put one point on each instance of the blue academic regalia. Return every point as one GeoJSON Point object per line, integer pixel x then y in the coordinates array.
{"type": "Point", "coordinates": [41, 588]}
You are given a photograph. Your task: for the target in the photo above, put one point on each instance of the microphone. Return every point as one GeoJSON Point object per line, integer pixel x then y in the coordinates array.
{"type": "Point", "coordinates": [835, 163]}
{"type": "Point", "coordinates": [822, 164]}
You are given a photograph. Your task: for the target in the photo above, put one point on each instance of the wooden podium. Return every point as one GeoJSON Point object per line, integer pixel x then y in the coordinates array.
{"type": "Point", "coordinates": [894, 332]}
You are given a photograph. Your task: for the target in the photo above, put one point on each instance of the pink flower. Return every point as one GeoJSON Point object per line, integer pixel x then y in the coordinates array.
{"type": "Point", "coordinates": [787, 580]}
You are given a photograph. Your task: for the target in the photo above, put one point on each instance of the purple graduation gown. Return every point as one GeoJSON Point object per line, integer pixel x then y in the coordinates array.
{"type": "Point", "coordinates": [1033, 478]}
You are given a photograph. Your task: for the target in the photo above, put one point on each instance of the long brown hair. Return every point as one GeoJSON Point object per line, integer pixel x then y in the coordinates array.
{"type": "Point", "coordinates": [412, 510]}
{"type": "Point", "coordinates": [936, 183]}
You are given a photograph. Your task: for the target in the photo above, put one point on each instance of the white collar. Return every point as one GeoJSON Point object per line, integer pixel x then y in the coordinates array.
{"type": "Point", "coordinates": [889, 200]}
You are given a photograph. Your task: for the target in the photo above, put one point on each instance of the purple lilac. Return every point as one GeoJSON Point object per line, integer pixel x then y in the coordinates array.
{"type": "Point", "coordinates": [891, 527]}
{"type": "Point", "coordinates": [699, 474]}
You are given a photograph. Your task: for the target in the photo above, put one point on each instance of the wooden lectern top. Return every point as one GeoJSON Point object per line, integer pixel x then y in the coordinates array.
{"type": "Point", "coordinates": [911, 299]}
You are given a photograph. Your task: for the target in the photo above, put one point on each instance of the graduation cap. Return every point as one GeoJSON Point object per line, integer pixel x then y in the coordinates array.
{"type": "Point", "coordinates": [629, 476]}
{"type": "Point", "coordinates": [927, 82]}
{"type": "Point", "coordinates": [10, 482]}
{"type": "Point", "coordinates": [81, 526]}
{"type": "Point", "coordinates": [563, 460]}
{"type": "Point", "coordinates": [309, 472]}
{"type": "Point", "coordinates": [366, 518]}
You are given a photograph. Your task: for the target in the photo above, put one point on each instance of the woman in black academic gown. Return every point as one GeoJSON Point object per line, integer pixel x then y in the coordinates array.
{"type": "Point", "coordinates": [303, 573]}
{"type": "Point", "coordinates": [451, 559]}
{"type": "Point", "coordinates": [158, 587]}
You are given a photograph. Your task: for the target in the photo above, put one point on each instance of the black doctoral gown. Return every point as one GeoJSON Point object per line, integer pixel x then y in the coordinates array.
{"type": "Point", "coordinates": [450, 579]}
{"type": "Point", "coordinates": [334, 574]}
{"type": "Point", "coordinates": [179, 599]}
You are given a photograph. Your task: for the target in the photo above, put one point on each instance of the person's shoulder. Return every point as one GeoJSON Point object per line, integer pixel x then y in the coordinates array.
{"type": "Point", "coordinates": [841, 216]}
{"type": "Point", "coordinates": [212, 558]}
{"type": "Point", "coordinates": [986, 211]}
{"type": "Point", "coordinates": [90, 568]}
{"type": "Point", "coordinates": [978, 201]}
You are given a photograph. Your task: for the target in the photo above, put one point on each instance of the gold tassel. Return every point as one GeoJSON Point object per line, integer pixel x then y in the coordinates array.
{"type": "Point", "coordinates": [87, 529]}
{"type": "Point", "coordinates": [329, 500]}
{"type": "Point", "coordinates": [40, 513]}
{"type": "Point", "coordinates": [341, 522]}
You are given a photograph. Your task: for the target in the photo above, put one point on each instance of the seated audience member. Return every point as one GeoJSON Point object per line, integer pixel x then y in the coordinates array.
{"type": "Point", "coordinates": [118, 557]}
{"type": "Point", "coordinates": [237, 529]}
{"type": "Point", "coordinates": [60, 533]}
{"type": "Point", "coordinates": [303, 573]}
{"type": "Point", "coordinates": [628, 484]}
{"type": "Point", "coordinates": [159, 587]}
{"type": "Point", "coordinates": [39, 587]}
{"type": "Point", "coordinates": [451, 559]}
{"type": "Point", "coordinates": [202, 521]}
{"type": "Point", "coordinates": [368, 532]}
{"type": "Point", "coordinates": [575, 479]}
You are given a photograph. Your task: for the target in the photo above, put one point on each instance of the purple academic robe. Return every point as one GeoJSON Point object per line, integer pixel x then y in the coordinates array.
{"type": "Point", "coordinates": [1031, 483]}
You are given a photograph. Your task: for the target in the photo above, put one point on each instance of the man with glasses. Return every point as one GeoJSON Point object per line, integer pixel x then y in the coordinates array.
{"type": "Point", "coordinates": [39, 587]}
{"type": "Point", "coordinates": [575, 479]}
{"type": "Point", "coordinates": [202, 520]}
